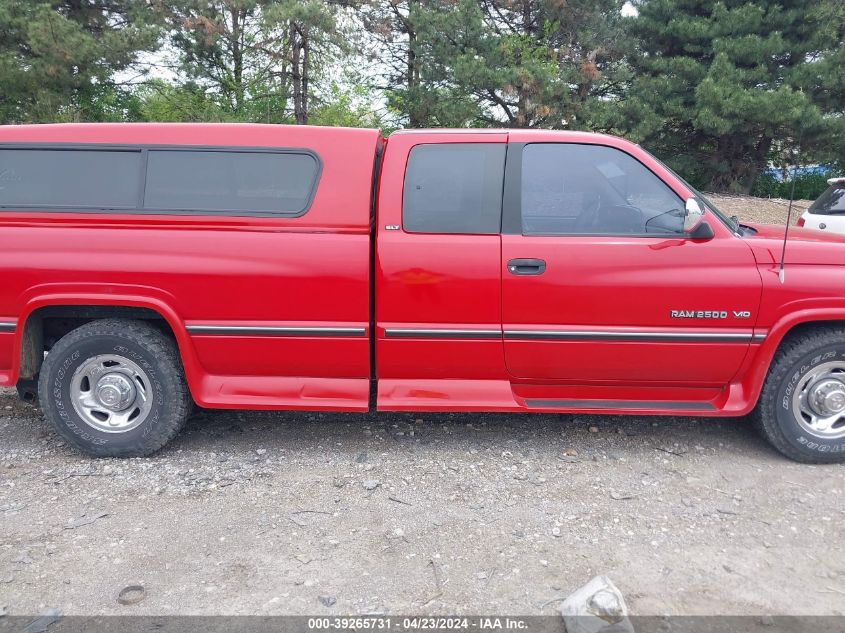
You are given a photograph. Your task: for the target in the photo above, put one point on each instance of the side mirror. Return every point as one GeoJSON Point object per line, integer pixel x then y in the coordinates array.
{"type": "Point", "coordinates": [694, 225]}
{"type": "Point", "coordinates": [694, 215]}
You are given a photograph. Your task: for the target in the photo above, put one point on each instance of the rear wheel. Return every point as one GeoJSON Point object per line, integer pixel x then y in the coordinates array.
{"type": "Point", "coordinates": [115, 388]}
{"type": "Point", "coordinates": [802, 408]}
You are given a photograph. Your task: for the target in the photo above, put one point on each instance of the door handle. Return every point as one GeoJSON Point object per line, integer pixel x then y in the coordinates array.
{"type": "Point", "coordinates": [526, 266]}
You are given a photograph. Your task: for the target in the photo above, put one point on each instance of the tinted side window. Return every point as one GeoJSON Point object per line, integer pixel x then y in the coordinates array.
{"type": "Point", "coordinates": [454, 188]}
{"type": "Point", "coordinates": [69, 178]}
{"type": "Point", "coordinates": [831, 202]}
{"type": "Point", "coordinates": [229, 181]}
{"type": "Point", "coordinates": [570, 189]}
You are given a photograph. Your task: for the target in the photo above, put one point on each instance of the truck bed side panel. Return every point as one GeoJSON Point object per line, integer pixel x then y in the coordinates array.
{"type": "Point", "coordinates": [269, 312]}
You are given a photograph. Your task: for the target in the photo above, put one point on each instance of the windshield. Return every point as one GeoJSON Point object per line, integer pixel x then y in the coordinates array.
{"type": "Point", "coordinates": [831, 202]}
{"type": "Point", "coordinates": [703, 200]}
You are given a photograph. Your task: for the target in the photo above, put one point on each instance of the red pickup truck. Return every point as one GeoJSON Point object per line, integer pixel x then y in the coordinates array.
{"type": "Point", "coordinates": [277, 267]}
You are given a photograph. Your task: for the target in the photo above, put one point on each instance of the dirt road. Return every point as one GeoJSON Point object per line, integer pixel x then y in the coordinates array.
{"type": "Point", "coordinates": [269, 513]}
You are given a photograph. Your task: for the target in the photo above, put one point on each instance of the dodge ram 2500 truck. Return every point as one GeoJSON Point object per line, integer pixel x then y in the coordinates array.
{"type": "Point", "coordinates": [149, 267]}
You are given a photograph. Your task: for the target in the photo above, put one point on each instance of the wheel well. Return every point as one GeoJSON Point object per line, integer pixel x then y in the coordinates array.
{"type": "Point", "coordinates": [47, 325]}
{"type": "Point", "coordinates": [810, 327]}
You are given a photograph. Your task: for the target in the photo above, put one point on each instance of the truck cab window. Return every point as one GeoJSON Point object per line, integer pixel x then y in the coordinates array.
{"type": "Point", "coordinates": [571, 189]}
{"type": "Point", "coordinates": [454, 188]}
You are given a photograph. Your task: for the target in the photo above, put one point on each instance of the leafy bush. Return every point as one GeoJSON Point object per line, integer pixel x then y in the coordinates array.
{"type": "Point", "coordinates": [807, 186]}
{"type": "Point", "coordinates": [766, 186]}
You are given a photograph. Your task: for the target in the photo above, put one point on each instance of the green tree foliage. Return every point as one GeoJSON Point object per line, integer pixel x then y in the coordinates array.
{"type": "Point", "coordinates": [521, 63]}
{"type": "Point", "coordinates": [258, 60]}
{"type": "Point", "coordinates": [532, 63]}
{"type": "Point", "coordinates": [230, 61]}
{"type": "Point", "coordinates": [159, 100]}
{"type": "Point", "coordinates": [219, 45]}
{"type": "Point", "coordinates": [345, 108]}
{"type": "Point", "coordinates": [315, 40]}
{"type": "Point", "coordinates": [58, 59]}
{"type": "Point", "coordinates": [393, 51]}
{"type": "Point", "coordinates": [723, 86]}
{"type": "Point", "coordinates": [718, 88]}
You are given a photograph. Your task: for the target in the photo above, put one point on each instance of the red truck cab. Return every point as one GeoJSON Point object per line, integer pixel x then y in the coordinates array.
{"type": "Point", "coordinates": [284, 267]}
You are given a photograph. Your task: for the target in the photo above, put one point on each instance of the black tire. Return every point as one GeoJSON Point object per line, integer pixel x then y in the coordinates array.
{"type": "Point", "coordinates": [798, 355]}
{"type": "Point", "coordinates": [146, 347]}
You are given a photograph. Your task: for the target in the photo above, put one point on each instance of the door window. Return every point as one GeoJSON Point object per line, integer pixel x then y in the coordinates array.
{"type": "Point", "coordinates": [454, 188]}
{"type": "Point", "coordinates": [571, 189]}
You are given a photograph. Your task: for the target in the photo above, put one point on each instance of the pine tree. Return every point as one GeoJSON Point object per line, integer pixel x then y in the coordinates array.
{"type": "Point", "coordinates": [520, 63]}
{"type": "Point", "coordinates": [390, 49]}
{"type": "Point", "coordinates": [58, 59]}
{"type": "Point", "coordinates": [259, 60]}
{"type": "Point", "coordinates": [723, 86]}
{"type": "Point", "coordinates": [552, 62]}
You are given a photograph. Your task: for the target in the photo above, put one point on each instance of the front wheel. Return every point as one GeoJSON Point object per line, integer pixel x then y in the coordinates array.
{"type": "Point", "coordinates": [802, 407]}
{"type": "Point", "coordinates": [115, 388]}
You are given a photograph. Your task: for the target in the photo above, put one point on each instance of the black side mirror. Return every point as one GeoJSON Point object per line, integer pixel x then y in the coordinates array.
{"type": "Point", "coordinates": [703, 231]}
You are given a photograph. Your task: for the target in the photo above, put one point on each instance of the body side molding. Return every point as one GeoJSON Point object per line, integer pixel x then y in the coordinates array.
{"type": "Point", "coordinates": [442, 333]}
{"type": "Point", "coordinates": [251, 330]}
{"type": "Point", "coordinates": [648, 336]}
{"type": "Point", "coordinates": [621, 404]}
{"type": "Point", "coordinates": [578, 335]}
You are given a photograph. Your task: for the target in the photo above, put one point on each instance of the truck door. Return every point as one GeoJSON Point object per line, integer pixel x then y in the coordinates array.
{"type": "Point", "coordinates": [601, 285]}
{"type": "Point", "coordinates": [438, 264]}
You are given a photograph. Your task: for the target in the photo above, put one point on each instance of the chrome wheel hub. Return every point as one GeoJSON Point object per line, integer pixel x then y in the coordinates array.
{"type": "Point", "coordinates": [111, 393]}
{"type": "Point", "coordinates": [818, 401]}
{"type": "Point", "coordinates": [828, 397]}
{"type": "Point", "coordinates": [115, 391]}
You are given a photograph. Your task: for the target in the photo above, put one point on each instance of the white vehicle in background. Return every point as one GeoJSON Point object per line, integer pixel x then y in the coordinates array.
{"type": "Point", "coordinates": [828, 212]}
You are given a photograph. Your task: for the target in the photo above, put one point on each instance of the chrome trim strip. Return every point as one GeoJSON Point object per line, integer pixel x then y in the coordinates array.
{"type": "Point", "coordinates": [759, 338]}
{"type": "Point", "coordinates": [612, 335]}
{"type": "Point", "coordinates": [621, 404]}
{"type": "Point", "coordinates": [8, 326]}
{"type": "Point", "coordinates": [251, 330]}
{"type": "Point", "coordinates": [441, 333]}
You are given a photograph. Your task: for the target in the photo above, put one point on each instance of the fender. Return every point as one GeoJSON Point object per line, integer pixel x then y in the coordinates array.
{"type": "Point", "coordinates": [745, 394]}
{"type": "Point", "coordinates": [124, 295]}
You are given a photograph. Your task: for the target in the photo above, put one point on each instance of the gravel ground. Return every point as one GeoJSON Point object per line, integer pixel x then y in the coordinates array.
{"type": "Point", "coordinates": [763, 210]}
{"type": "Point", "coordinates": [298, 513]}
{"type": "Point", "coordinates": [283, 513]}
